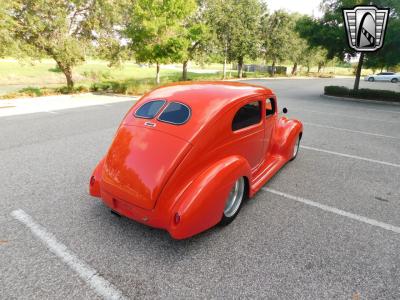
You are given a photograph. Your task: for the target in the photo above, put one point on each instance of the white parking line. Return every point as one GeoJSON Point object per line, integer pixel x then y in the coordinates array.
{"type": "Point", "coordinates": [354, 131]}
{"type": "Point", "coordinates": [346, 116]}
{"type": "Point", "coordinates": [100, 285]}
{"type": "Point", "coordinates": [336, 211]}
{"type": "Point", "coordinates": [352, 156]}
{"type": "Point", "coordinates": [345, 107]}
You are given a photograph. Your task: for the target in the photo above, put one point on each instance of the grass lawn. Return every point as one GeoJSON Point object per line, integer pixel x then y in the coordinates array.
{"type": "Point", "coordinates": [36, 78]}
{"type": "Point", "coordinates": [45, 72]}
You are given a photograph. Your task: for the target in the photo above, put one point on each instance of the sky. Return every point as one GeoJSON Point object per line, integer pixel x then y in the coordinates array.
{"type": "Point", "coordinates": [301, 6]}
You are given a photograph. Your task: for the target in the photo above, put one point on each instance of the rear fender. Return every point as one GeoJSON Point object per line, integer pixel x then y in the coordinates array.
{"type": "Point", "coordinates": [201, 205]}
{"type": "Point", "coordinates": [285, 137]}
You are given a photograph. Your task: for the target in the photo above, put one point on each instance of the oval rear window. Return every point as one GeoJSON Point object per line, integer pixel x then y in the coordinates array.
{"type": "Point", "coordinates": [150, 109]}
{"type": "Point", "coordinates": [175, 113]}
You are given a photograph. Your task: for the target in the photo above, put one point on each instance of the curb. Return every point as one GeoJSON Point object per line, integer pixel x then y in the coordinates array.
{"type": "Point", "coordinates": [359, 100]}
{"type": "Point", "coordinates": [271, 78]}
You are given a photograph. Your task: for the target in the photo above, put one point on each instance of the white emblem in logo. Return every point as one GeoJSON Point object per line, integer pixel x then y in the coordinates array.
{"type": "Point", "coordinates": [365, 27]}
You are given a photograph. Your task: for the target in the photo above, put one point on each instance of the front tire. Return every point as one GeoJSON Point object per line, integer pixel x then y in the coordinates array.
{"type": "Point", "coordinates": [296, 147]}
{"type": "Point", "coordinates": [371, 79]}
{"type": "Point", "coordinates": [234, 201]}
{"type": "Point", "coordinates": [394, 80]}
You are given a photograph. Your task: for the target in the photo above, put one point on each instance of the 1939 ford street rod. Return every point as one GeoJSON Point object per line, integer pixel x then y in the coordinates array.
{"type": "Point", "coordinates": [186, 156]}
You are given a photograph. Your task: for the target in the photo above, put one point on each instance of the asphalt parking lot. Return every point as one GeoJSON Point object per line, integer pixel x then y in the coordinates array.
{"type": "Point", "coordinates": [327, 226]}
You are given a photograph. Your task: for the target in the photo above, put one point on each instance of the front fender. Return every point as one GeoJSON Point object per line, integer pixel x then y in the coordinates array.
{"type": "Point", "coordinates": [285, 136]}
{"type": "Point", "coordinates": [201, 205]}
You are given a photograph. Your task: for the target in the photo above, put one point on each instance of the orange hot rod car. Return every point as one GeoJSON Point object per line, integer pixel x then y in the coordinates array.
{"type": "Point", "coordinates": [187, 155]}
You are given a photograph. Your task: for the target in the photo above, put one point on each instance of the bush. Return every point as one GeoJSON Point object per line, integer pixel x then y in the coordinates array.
{"type": "Point", "coordinates": [31, 91]}
{"type": "Point", "coordinates": [37, 92]}
{"type": "Point", "coordinates": [379, 95]}
{"type": "Point", "coordinates": [337, 91]}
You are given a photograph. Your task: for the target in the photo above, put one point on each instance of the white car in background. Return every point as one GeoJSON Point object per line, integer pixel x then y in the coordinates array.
{"type": "Point", "coordinates": [383, 76]}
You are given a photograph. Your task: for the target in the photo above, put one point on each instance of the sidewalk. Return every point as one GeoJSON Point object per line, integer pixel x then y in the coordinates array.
{"type": "Point", "coordinates": [53, 103]}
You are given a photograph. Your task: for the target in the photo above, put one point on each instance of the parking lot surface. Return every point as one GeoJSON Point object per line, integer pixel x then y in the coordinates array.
{"type": "Point", "coordinates": [326, 226]}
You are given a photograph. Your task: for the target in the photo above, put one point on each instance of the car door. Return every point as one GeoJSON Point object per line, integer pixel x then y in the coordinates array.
{"type": "Point", "coordinates": [379, 77]}
{"type": "Point", "coordinates": [387, 76]}
{"type": "Point", "coordinates": [248, 131]}
{"type": "Point", "coordinates": [269, 125]}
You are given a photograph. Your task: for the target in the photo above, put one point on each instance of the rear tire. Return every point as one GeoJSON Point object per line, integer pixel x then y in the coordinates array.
{"type": "Point", "coordinates": [394, 80]}
{"type": "Point", "coordinates": [371, 79]}
{"type": "Point", "coordinates": [296, 147]}
{"type": "Point", "coordinates": [234, 201]}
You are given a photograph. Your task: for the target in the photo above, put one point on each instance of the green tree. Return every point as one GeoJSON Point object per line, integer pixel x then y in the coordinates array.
{"type": "Point", "coordinates": [198, 36]}
{"type": "Point", "coordinates": [276, 35]}
{"type": "Point", "coordinates": [7, 44]}
{"type": "Point", "coordinates": [157, 33]}
{"type": "Point", "coordinates": [329, 33]}
{"type": "Point", "coordinates": [220, 26]}
{"type": "Point", "coordinates": [236, 26]}
{"type": "Point", "coordinates": [388, 57]}
{"type": "Point", "coordinates": [62, 30]}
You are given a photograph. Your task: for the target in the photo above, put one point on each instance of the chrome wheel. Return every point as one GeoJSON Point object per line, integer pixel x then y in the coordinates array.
{"type": "Point", "coordinates": [296, 147]}
{"type": "Point", "coordinates": [235, 198]}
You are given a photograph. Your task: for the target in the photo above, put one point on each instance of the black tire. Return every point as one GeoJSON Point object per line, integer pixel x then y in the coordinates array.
{"type": "Point", "coordinates": [371, 79]}
{"type": "Point", "coordinates": [394, 80]}
{"type": "Point", "coordinates": [227, 219]}
{"type": "Point", "coordinates": [296, 149]}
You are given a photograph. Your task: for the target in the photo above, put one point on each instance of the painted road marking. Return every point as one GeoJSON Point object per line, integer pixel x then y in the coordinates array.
{"type": "Point", "coordinates": [354, 131]}
{"type": "Point", "coordinates": [351, 156]}
{"type": "Point", "coordinates": [337, 211]}
{"type": "Point", "coordinates": [346, 116]}
{"type": "Point", "coordinates": [347, 106]}
{"type": "Point", "coordinates": [100, 285]}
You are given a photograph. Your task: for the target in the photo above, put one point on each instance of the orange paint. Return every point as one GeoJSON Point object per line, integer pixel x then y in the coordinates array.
{"type": "Point", "coordinates": [156, 170]}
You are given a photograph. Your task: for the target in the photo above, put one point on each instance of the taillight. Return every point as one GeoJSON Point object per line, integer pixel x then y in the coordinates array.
{"type": "Point", "coordinates": [177, 218]}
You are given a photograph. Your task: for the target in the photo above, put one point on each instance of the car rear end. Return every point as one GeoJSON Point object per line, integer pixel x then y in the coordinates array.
{"type": "Point", "coordinates": [139, 162]}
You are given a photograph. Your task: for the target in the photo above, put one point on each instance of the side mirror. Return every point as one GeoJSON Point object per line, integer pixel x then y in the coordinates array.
{"type": "Point", "coordinates": [284, 110]}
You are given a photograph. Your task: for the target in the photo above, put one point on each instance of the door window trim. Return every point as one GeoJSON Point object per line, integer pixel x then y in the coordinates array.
{"type": "Point", "coordinates": [249, 127]}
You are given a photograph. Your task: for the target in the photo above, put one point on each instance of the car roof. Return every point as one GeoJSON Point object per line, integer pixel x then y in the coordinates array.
{"type": "Point", "coordinates": [201, 95]}
{"type": "Point", "coordinates": [206, 99]}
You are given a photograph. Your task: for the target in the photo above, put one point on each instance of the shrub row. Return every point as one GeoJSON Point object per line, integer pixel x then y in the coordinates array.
{"type": "Point", "coordinates": [38, 92]}
{"type": "Point", "coordinates": [379, 95]}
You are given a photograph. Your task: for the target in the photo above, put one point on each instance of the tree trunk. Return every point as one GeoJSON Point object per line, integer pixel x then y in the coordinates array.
{"type": "Point", "coordinates": [240, 67]}
{"type": "Point", "coordinates": [224, 69]}
{"type": "Point", "coordinates": [294, 70]}
{"type": "Point", "coordinates": [273, 68]}
{"type": "Point", "coordinates": [358, 73]}
{"type": "Point", "coordinates": [158, 74]}
{"type": "Point", "coordinates": [67, 70]}
{"type": "Point", "coordinates": [308, 69]}
{"type": "Point", "coordinates": [184, 70]}
{"type": "Point", "coordinates": [319, 67]}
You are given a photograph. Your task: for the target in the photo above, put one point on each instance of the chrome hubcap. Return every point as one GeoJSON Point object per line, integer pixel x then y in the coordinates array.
{"type": "Point", "coordinates": [296, 147]}
{"type": "Point", "coordinates": [235, 198]}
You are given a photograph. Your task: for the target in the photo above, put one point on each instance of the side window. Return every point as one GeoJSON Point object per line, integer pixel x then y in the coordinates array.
{"type": "Point", "coordinates": [247, 115]}
{"type": "Point", "coordinates": [269, 107]}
